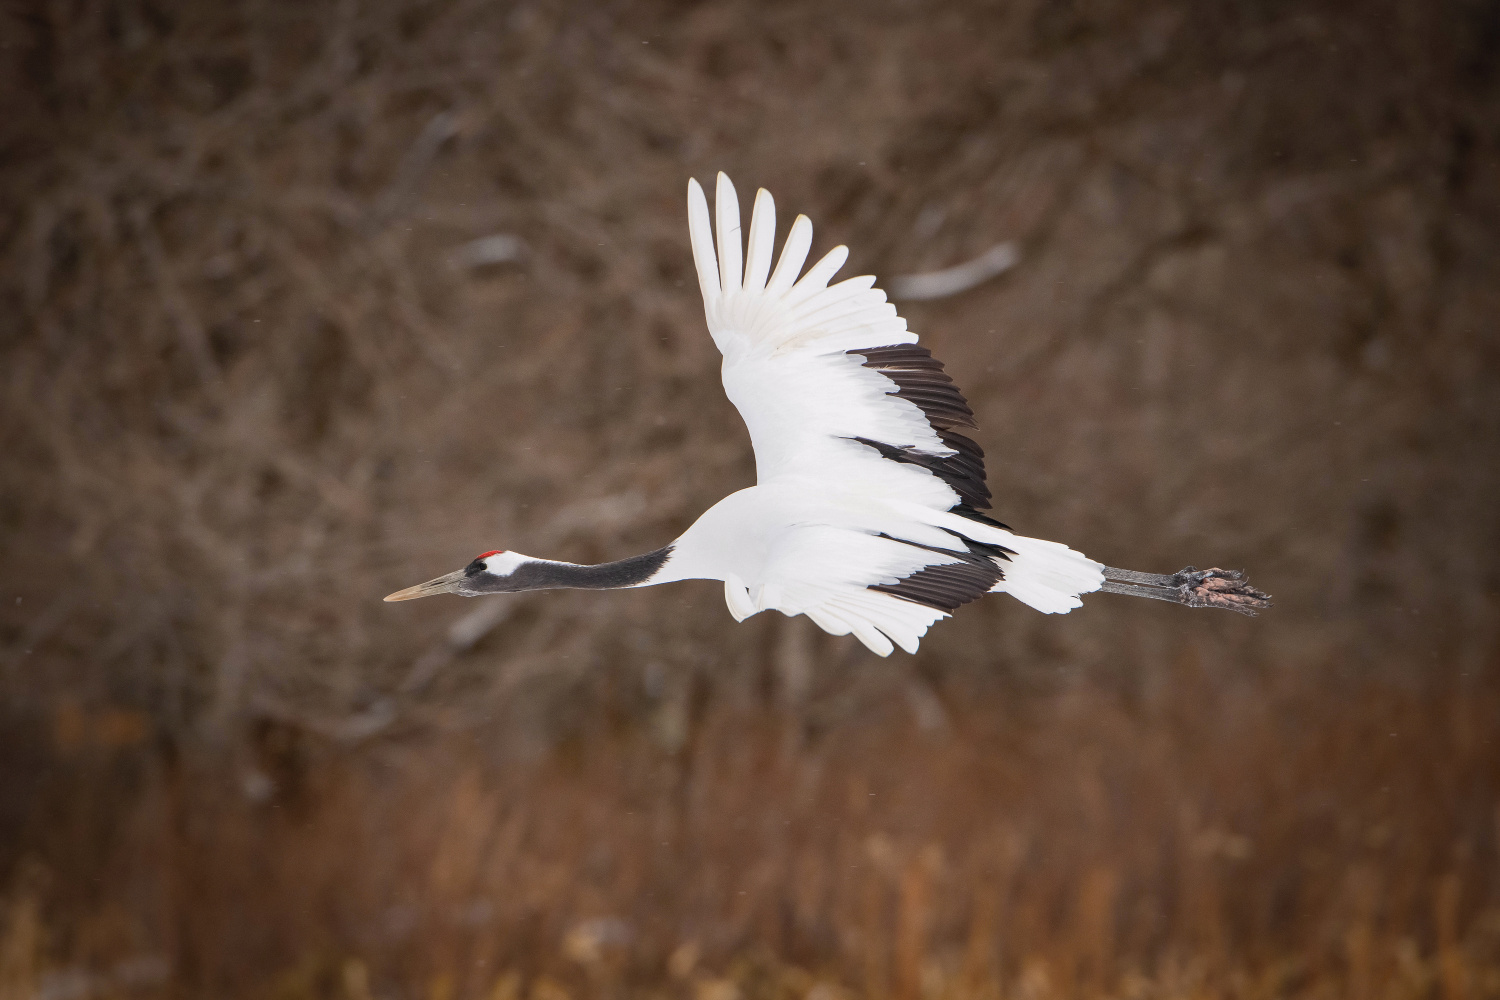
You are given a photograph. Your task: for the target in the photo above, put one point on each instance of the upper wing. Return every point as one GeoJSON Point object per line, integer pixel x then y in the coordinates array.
{"type": "Point", "coordinates": [844, 407]}
{"type": "Point", "coordinates": [828, 379]}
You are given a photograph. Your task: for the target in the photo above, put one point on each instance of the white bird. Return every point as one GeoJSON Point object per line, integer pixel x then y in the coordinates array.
{"type": "Point", "coordinates": [867, 511]}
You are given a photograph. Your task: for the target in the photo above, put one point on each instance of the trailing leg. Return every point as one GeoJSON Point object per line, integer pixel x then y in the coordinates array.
{"type": "Point", "coordinates": [1196, 588]}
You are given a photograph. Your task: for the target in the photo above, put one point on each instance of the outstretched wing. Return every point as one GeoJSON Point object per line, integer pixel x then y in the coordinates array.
{"type": "Point", "coordinates": [827, 377]}
{"type": "Point", "coordinates": [849, 415]}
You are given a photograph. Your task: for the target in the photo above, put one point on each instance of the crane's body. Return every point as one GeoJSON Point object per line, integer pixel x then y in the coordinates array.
{"type": "Point", "coordinates": [868, 510]}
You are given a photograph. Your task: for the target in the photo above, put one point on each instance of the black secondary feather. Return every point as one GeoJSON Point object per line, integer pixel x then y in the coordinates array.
{"type": "Point", "coordinates": [919, 379]}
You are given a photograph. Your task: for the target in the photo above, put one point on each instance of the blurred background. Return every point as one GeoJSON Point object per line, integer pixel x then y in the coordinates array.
{"type": "Point", "coordinates": [304, 303]}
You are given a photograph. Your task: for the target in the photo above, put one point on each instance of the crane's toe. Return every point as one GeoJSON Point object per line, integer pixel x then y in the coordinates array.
{"type": "Point", "coordinates": [1219, 588]}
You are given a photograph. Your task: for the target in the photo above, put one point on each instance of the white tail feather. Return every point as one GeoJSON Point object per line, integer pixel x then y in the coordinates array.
{"type": "Point", "coordinates": [1048, 576]}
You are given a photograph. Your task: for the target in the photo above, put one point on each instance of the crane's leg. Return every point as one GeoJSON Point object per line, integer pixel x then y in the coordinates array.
{"type": "Point", "coordinates": [1197, 588]}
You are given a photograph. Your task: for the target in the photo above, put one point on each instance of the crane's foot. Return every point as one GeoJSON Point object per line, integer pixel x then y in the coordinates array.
{"type": "Point", "coordinates": [1196, 588]}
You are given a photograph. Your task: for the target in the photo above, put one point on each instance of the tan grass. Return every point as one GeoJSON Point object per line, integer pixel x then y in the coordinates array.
{"type": "Point", "coordinates": [1085, 851]}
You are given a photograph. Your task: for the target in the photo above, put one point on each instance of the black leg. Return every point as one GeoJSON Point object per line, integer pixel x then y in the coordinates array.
{"type": "Point", "coordinates": [1196, 588]}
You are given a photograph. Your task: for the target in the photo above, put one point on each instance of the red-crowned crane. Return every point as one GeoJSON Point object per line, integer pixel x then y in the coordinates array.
{"type": "Point", "coordinates": [867, 514]}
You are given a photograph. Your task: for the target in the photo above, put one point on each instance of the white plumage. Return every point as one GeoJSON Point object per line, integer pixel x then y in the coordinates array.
{"type": "Point", "coordinates": [866, 512]}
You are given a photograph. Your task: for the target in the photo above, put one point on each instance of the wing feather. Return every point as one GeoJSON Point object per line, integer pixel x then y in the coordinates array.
{"type": "Point", "coordinates": [762, 241]}
{"type": "Point", "coordinates": [793, 256]}
{"type": "Point", "coordinates": [847, 299]}
{"type": "Point", "coordinates": [816, 278]}
{"type": "Point", "coordinates": [727, 219]}
{"type": "Point", "coordinates": [700, 234]}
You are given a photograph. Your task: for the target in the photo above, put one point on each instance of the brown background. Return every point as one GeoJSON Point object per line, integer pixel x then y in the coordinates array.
{"type": "Point", "coordinates": [250, 385]}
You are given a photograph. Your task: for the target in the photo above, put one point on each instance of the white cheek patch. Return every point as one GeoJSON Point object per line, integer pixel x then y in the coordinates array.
{"type": "Point", "coordinates": [504, 563]}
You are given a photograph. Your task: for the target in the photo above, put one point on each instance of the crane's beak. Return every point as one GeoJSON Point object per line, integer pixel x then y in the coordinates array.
{"type": "Point", "coordinates": [448, 583]}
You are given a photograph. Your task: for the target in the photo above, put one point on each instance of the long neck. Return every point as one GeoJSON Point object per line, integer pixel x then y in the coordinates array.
{"type": "Point", "coordinates": [637, 571]}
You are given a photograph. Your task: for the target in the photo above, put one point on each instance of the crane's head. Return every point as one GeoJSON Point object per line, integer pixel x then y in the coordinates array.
{"type": "Point", "coordinates": [490, 573]}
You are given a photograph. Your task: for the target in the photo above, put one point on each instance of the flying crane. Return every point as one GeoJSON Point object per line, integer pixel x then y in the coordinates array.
{"type": "Point", "coordinates": [868, 509]}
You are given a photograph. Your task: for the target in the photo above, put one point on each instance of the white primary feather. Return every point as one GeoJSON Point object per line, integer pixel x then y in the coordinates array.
{"type": "Point", "coordinates": [829, 517]}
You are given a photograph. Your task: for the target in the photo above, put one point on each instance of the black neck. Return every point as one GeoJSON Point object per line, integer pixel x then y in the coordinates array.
{"type": "Point", "coordinates": [630, 572]}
